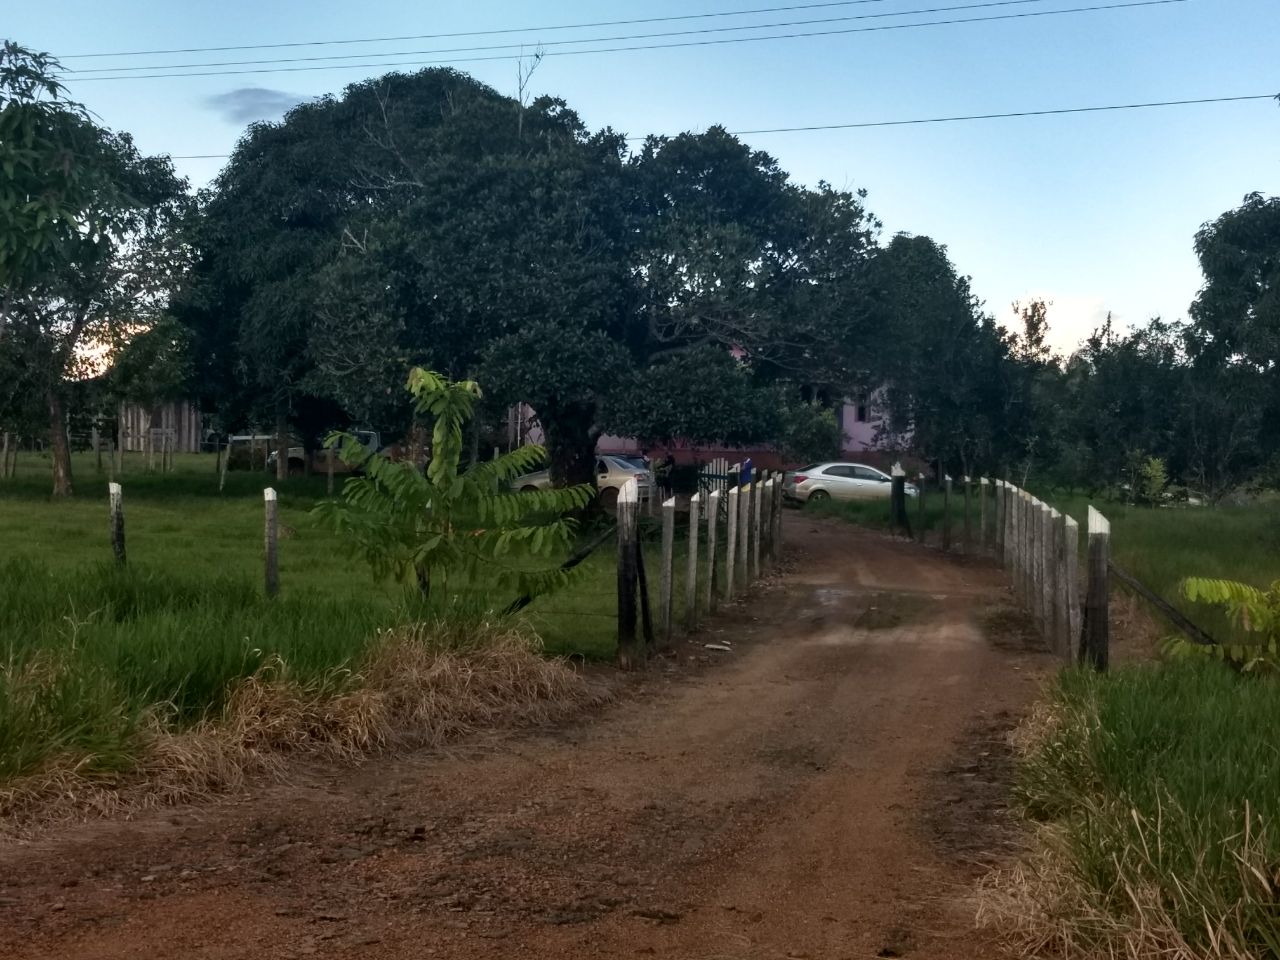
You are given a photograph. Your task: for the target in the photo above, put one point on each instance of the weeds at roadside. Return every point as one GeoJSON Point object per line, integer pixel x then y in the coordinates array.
{"type": "Point", "coordinates": [1157, 803]}
{"type": "Point", "coordinates": [416, 686]}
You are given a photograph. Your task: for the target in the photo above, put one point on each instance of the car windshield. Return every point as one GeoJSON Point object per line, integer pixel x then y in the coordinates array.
{"type": "Point", "coordinates": [812, 466]}
{"type": "Point", "coordinates": [623, 464]}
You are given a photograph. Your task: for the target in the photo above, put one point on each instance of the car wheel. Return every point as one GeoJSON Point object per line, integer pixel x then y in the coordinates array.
{"type": "Point", "coordinates": [818, 496]}
{"type": "Point", "coordinates": [529, 489]}
{"type": "Point", "coordinates": [609, 497]}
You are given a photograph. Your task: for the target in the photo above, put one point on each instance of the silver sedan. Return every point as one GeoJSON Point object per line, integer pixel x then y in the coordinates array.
{"type": "Point", "coordinates": [840, 481]}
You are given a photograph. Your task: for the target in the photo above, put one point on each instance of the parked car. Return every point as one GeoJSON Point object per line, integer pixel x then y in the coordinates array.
{"type": "Point", "coordinates": [611, 473]}
{"type": "Point", "coordinates": [840, 481]}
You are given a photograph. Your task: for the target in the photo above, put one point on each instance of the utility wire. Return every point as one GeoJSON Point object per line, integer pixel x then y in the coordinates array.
{"type": "Point", "coordinates": [653, 46]}
{"type": "Point", "coordinates": [475, 33]}
{"type": "Point", "coordinates": [927, 120]}
{"type": "Point", "coordinates": [557, 43]}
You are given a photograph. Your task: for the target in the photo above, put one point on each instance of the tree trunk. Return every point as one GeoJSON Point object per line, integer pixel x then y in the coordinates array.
{"type": "Point", "coordinates": [571, 442]}
{"type": "Point", "coordinates": [4, 457]}
{"type": "Point", "coordinates": [282, 446]}
{"type": "Point", "coordinates": [61, 448]}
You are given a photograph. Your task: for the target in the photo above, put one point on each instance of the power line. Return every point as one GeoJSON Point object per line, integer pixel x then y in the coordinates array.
{"type": "Point", "coordinates": [579, 40]}
{"type": "Point", "coordinates": [654, 46]}
{"type": "Point", "coordinates": [477, 33]}
{"type": "Point", "coordinates": [861, 125]}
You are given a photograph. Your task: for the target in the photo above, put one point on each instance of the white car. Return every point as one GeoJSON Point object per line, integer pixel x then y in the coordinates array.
{"type": "Point", "coordinates": [840, 481]}
{"type": "Point", "coordinates": [611, 474]}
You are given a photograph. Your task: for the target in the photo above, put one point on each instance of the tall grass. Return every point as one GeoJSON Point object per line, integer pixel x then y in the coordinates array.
{"type": "Point", "coordinates": [1158, 788]}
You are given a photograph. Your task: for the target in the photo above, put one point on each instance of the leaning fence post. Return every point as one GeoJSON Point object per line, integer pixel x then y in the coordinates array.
{"type": "Point", "coordinates": [271, 541]}
{"type": "Point", "coordinates": [1071, 559]}
{"type": "Point", "coordinates": [630, 653]}
{"type": "Point", "coordinates": [666, 599]}
{"type": "Point", "coordinates": [691, 573]}
{"type": "Point", "coordinates": [968, 525]}
{"type": "Point", "coordinates": [713, 509]}
{"type": "Point", "coordinates": [1097, 626]}
{"type": "Point", "coordinates": [731, 548]}
{"type": "Point", "coordinates": [744, 535]}
{"type": "Point", "coordinates": [115, 497]}
{"type": "Point", "coordinates": [946, 512]}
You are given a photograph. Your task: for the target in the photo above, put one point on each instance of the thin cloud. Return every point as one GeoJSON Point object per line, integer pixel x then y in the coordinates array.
{"type": "Point", "coordinates": [246, 104]}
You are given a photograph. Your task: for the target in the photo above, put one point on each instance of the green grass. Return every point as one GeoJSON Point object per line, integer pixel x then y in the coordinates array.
{"type": "Point", "coordinates": [89, 651]}
{"type": "Point", "coordinates": [1163, 781]}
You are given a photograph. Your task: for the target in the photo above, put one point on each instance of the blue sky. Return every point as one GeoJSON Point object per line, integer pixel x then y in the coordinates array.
{"type": "Point", "coordinates": [1095, 212]}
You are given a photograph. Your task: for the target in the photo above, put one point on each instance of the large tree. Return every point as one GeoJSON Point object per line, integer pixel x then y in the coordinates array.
{"type": "Point", "coordinates": [96, 258]}
{"type": "Point", "coordinates": [426, 219]}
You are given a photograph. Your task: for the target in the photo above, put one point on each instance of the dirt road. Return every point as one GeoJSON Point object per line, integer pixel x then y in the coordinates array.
{"type": "Point", "coordinates": [829, 789]}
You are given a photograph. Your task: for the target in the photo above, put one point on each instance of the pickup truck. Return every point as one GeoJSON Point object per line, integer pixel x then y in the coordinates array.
{"type": "Point", "coordinates": [371, 440]}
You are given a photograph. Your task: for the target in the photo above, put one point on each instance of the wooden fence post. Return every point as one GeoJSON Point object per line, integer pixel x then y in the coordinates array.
{"type": "Point", "coordinates": [1061, 610]}
{"type": "Point", "coordinates": [946, 513]}
{"type": "Point", "coordinates": [776, 545]}
{"type": "Point", "coordinates": [731, 547]}
{"type": "Point", "coordinates": [111, 459]}
{"type": "Point", "coordinates": [920, 493]}
{"type": "Point", "coordinates": [666, 598]}
{"type": "Point", "coordinates": [691, 573]}
{"type": "Point", "coordinates": [744, 535]}
{"type": "Point", "coordinates": [1071, 559]}
{"type": "Point", "coordinates": [115, 497]}
{"type": "Point", "coordinates": [757, 498]}
{"type": "Point", "coordinates": [997, 520]}
{"type": "Point", "coordinates": [328, 473]}
{"type": "Point", "coordinates": [1035, 556]}
{"type": "Point", "coordinates": [899, 522]}
{"type": "Point", "coordinates": [271, 541]}
{"type": "Point", "coordinates": [1019, 544]}
{"type": "Point", "coordinates": [984, 537]}
{"type": "Point", "coordinates": [1006, 524]}
{"type": "Point", "coordinates": [1028, 551]}
{"type": "Point", "coordinates": [968, 523]}
{"type": "Point", "coordinates": [1097, 625]}
{"type": "Point", "coordinates": [4, 457]}
{"type": "Point", "coordinates": [631, 654]}
{"type": "Point", "coordinates": [226, 463]}
{"type": "Point", "coordinates": [1045, 524]}
{"type": "Point", "coordinates": [713, 510]}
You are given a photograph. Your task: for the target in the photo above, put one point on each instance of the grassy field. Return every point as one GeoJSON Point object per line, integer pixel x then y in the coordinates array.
{"type": "Point", "coordinates": [90, 651]}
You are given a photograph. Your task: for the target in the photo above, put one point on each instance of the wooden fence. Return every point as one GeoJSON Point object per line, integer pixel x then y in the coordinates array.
{"type": "Point", "coordinates": [747, 509]}
{"type": "Point", "coordinates": [1040, 548]}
